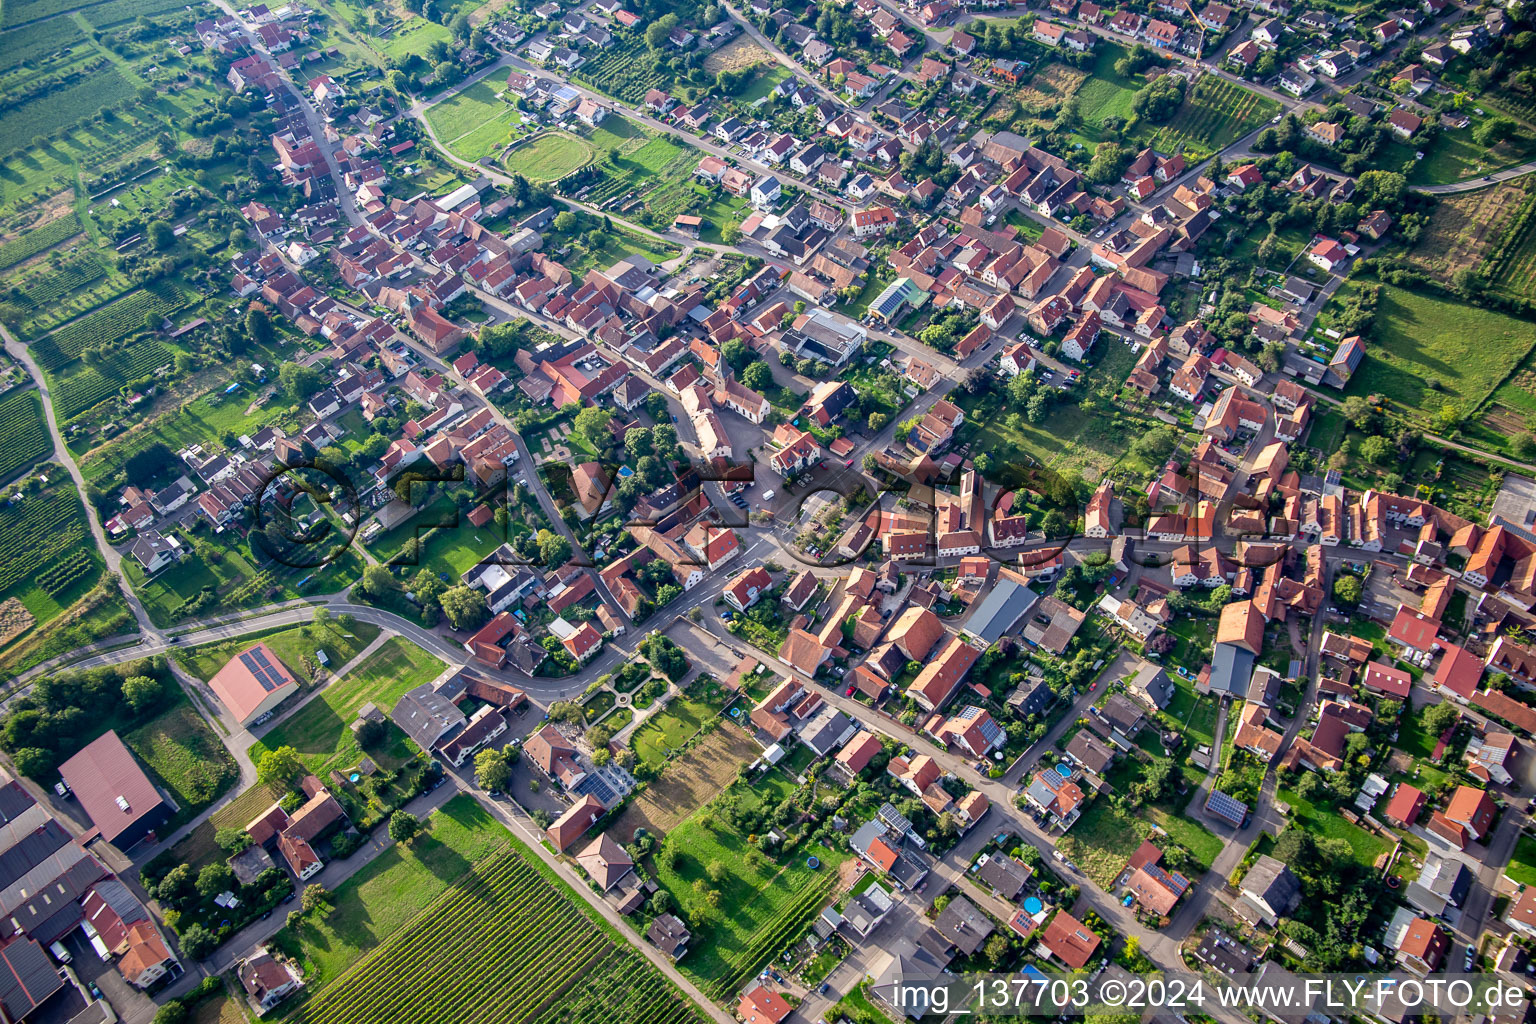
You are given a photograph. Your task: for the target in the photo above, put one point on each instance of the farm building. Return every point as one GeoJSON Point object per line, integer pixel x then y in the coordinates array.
{"type": "Point", "coordinates": [254, 682]}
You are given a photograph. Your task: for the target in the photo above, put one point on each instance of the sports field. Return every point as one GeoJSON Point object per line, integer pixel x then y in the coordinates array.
{"type": "Point", "coordinates": [548, 157]}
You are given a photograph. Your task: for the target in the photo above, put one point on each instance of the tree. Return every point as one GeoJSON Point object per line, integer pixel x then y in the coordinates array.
{"type": "Point", "coordinates": [214, 879]}
{"type": "Point", "coordinates": [197, 941]}
{"type": "Point", "coordinates": [161, 235]}
{"type": "Point", "coordinates": [232, 839]}
{"type": "Point", "coordinates": [1347, 589]}
{"type": "Point", "coordinates": [300, 382]}
{"type": "Point", "coordinates": [318, 897]}
{"type": "Point", "coordinates": [758, 377]}
{"type": "Point", "coordinates": [173, 1011]}
{"type": "Point", "coordinates": [592, 424]}
{"type": "Point", "coordinates": [656, 33]}
{"type": "Point", "coordinates": [1154, 446]}
{"type": "Point", "coordinates": [492, 770]}
{"type": "Point", "coordinates": [565, 222]}
{"type": "Point", "coordinates": [554, 549]}
{"type": "Point", "coordinates": [279, 767]}
{"type": "Point", "coordinates": [378, 581]}
{"type": "Point", "coordinates": [1159, 99]}
{"type": "Point", "coordinates": [464, 606]}
{"type": "Point", "coordinates": [1493, 131]}
{"type": "Point", "coordinates": [258, 326]}
{"type": "Point", "coordinates": [403, 826]}
{"type": "Point", "coordinates": [996, 950]}
{"type": "Point", "coordinates": [1358, 412]}
{"type": "Point", "coordinates": [1439, 717]}
{"type": "Point", "coordinates": [715, 869]}
{"type": "Point", "coordinates": [176, 885]}
{"type": "Point", "coordinates": [1377, 449]}
{"type": "Point", "coordinates": [142, 692]}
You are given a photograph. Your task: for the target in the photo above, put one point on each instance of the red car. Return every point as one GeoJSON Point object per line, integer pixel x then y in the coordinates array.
{"type": "Point", "coordinates": [851, 687]}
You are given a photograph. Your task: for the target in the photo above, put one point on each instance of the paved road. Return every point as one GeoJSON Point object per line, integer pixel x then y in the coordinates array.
{"type": "Point", "coordinates": [1476, 183]}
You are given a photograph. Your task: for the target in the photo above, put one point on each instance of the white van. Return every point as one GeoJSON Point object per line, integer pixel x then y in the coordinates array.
{"type": "Point", "coordinates": [60, 953]}
{"type": "Point", "coordinates": [767, 495]}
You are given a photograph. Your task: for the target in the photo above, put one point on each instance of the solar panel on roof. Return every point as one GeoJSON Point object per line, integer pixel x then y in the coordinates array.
{"type": "Point", "coordinates": [261, 669]}
{"type": "Point", "coordinates": [1225, 806]}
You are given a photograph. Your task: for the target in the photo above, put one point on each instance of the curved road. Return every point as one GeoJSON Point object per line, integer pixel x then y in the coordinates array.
{"type": "Point", "coordinates": [23, 357]}
{"type": "Point", "coordinates": [1477, 183]}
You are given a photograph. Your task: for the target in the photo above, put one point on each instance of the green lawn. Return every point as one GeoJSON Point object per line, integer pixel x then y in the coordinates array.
{"type": "Point", "coordinates": [549, 157]}
{"type": "Point", "coordinates": [291, 645]}
{"type": "Point", "coordinates": [1069, 438]}
{"type": "Point", "coordinates": [1419, 338]}
{"type": "Point", "coordinates": [1101, 841]}
{"type": "Point", "coordinates": [1522, 865]}
{"type": "Point", "coordinates": [321, 732]}
{"type": "Point", "coordinates": [755, 891]}
{"type": "Point", "coordinates": [185, 757]}
{"type": "Point", "coordinates": [413, 37]}
{"type": "Point", "coordinates": [1106, 94]}
{"type": "Point", "coordinates": [475, 123]}
{"type": "Point", "coordinates": [1325, 821]}
{"type": "Point", "coordinates": [768, 76]}
{"type": "Point", "coordinates": [393, 888]}
{"type": "Point", "coordinates": [669, 728]}
{"type": "Point", "coordinates": [1194, 837]}
{"type": "Point", "coordinates": [1413, 739]}
{"type": "Point", "coordinates": [1327, 430]}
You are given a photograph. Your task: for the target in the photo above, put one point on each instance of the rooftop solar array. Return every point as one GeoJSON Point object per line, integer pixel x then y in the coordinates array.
{"type": "Point", "coordinates": [1224, 806]}
{"type": "Point", "coordinates": [268, 675]}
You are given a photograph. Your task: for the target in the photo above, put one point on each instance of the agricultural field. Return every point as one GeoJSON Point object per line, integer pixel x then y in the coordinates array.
{"type": "Point", "coordinates": [1512, 267]}
{"type": "Point", "coordinates": [1214, 114]}
{"type": "Point", "coordinates": [626, 70]}
{"type": "Point", "coordinates": [224, 575]}
{"type": "Point", "coordinates": [46, 558]}
{"type": "Point", "coordinates": [741, 52]}
{"type": "Point", "coordinates": [101, 86]}
{"type": "Point", "coordinates": [320, 730]}
{"type": "Point", "coordinates": [38, 239]}
{"type": "Point", "coordinates": [186, 757]}
{"type": "Point", "coordinates": [764, 904]}
{"type": "Point", "coordinates": [548, 157]}
{"type": "Point", "coordinates": [476, 122]}
{"type": "Point", "coordinates": [467, 894]}
{"type": "Point", "coordinates": [107, 325]}
{"type": "Point", "coordinates": [656, 176]}
{"type": "Point", "coordinates": [688, 783]}
{"type": "Point", "coordinates": [1467, 228]}
{"type": "Point", "coordinates": [1419, 339]}
{"type": "Point", "coordinates": [31, 42]}
{"type": "Point", "coordinates": [65, 285]}
{"type": "Point", "coordinates": [23, 433]}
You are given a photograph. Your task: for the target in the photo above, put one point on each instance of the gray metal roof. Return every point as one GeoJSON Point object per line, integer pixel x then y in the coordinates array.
{"type": "Point", "coordinates": [1000, 610]}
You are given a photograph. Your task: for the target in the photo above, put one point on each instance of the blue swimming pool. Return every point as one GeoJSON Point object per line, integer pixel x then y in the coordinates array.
{"type": "Point", "coordinates": [1033, 906]}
